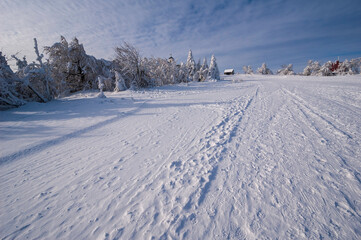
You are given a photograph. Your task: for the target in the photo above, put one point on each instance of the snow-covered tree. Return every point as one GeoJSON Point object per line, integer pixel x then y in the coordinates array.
{"type": "Point", "coordinates": [162, 71]}
{"type": "Point", "coordinates": [32, 82]}
{"type": "Point", "coordinates": [312, 68]}
{"type": "Point", "coordinates": [198, 65]}
{"type": "Point", "coordinates": [60, 64]}
{"type": "Point", "coordinates": [129, 63]}
{"type": "Point", "coordinates": [344, 68]}
{"type": "Point", "coordinates": [264, 70]}
{"type": "Point", "coordinates": [325, 69]}
{"type": "Point", "coordinates": [213, 71]}
{"type": "Point", "coordinates": [119, 82]}
{"type": "Point", "coordinates": [191, 65]}
{"type": "Point", "coordinates": [101, 86]}
{"type": "Point", "coordinates": [9, 96]}
{"type": "Point", "coordinates": [72, 69]}
{"type": "Point", "coordinates": [349, 67]}
{"type": "Point", "coordinates": [286, 70]}
{"type": "Point", "coordinates": [248, 69]}
{"type": "Point", "coordinates": [37, 83]}
{"type": "Point", "coordinates": [356, 65]}
{"type": "Point", "coordinates": [331, 69]}
{"type": "Point", "coordinates": [203, 71]}
{"type": "Point", "coordinates": [307, 71]}
{"type": "Point", "coordinates": [182, 72]}
{"type": "Point", "coordinates": [204, 64]}
{"type": "Point", "coordinates": [197, 76]}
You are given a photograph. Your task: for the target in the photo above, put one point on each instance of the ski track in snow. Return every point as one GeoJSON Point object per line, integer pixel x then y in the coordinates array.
{"type": "Point", "coordinates": [263, 158]}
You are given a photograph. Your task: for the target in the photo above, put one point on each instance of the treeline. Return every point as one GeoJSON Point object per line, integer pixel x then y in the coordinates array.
{"type": "Point", "coordinates": [68, 69]}
{"type": "Point", "coordinates": [314, 68]}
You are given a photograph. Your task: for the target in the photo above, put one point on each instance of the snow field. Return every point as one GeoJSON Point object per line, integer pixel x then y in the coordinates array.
{"type": "Point", "coordinates": [251, 157]}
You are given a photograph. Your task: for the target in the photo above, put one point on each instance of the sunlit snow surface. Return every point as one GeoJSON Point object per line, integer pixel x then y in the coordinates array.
{"type": "Point", "coordinates": [266, 157]}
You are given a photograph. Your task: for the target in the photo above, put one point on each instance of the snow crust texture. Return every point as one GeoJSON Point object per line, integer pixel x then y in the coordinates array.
{"type": "Point", "coordinates": [250, 157]}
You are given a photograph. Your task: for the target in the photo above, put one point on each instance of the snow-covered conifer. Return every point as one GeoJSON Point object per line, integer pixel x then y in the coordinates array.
{"type": "Point", "coordinates": [197, 76]}
{"type": "Point", "coordinates": [213, 71]}
{"type": "Point", "coordinates": [205, 64]}
{"type": "Point", "coordinates": [203, 72]}
{"type": "Point", "coordinates": [119, 82]}
{"type": "Point", "coordinates": [198, 65]}
{"type": "Point", "coordinates": [182, 72]}
{"type": "Point", "coordinates": [191, 65]}
{"type": "Point", "coordinates": [101, 87]}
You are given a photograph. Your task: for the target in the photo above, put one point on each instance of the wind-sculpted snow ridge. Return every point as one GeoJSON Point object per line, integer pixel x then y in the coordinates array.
{"type": "Point", "coordinates": [249, 157]}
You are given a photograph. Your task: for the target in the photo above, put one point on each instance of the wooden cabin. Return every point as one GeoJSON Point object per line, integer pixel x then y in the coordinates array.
{"type": "Point", "coordinates": [229, 72]}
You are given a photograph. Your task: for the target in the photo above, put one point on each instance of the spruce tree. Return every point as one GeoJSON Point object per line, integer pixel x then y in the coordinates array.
{"type": "Point", "coordinates": [191, 65]}
{"type": "Point", "coordinates": [213, 72]}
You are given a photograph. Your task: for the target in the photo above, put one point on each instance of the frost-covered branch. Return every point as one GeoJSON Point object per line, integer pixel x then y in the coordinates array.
{"type": "Point", "coordinates": [39, 56]}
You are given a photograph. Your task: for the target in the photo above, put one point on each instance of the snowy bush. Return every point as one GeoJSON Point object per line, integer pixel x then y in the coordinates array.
{"type": "Point", "coordinates": [213, 72]}
{"type": "Point", "coordinates": [330, 69]}
{"type": "Point", "coordinates": [286, 70]}
{"type": "Point", "coordinates": [247, 69]}
{"type": "Point", "coordinates": [356, 65]}
{"type": "Point", "coordinates": [133, 71]}
{"type": "Point", "coordinates": [325, 69]}
{"type": "Point", "coordinates": [349, 67]}
{"type": "Point", "coordinates": [264, 70]}
{"type": "Point", "coordinates": [312, 68]}
{"type": "Point", "coordinates": [163, 72]}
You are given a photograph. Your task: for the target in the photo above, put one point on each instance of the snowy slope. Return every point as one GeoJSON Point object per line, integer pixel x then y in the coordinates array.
{"type": "Point", "coordinates": [266, 157]}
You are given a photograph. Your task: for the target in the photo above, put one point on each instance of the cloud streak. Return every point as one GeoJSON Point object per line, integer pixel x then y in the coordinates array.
{"type": "Point", "coordinates": [237, 32]}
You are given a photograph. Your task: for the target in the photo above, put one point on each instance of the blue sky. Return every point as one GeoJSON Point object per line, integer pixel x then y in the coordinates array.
{"type": "Point", "coordinates": [239, 33]}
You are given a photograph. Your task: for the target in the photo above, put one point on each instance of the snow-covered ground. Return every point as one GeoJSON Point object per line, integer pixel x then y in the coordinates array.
{"type": "Point", "coordinates": [266, 157]}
